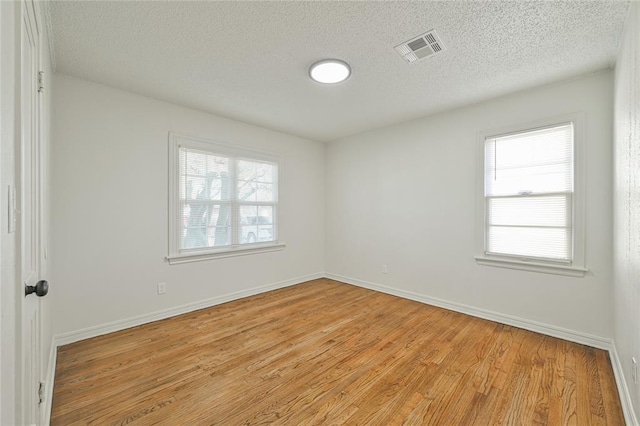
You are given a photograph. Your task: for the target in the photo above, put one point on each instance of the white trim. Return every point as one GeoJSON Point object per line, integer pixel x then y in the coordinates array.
{"type": "Point", "coordinates": [231, 252]}
{"type": "Point", "coordinates": [623, 390]}
{"type": "Point", "coordinates": [578, 264]}
{"type": "Point", "coordinates": [223, 148]}
{"type": "Point", "coordinates": [547, 268]}
{"type": "Point", "coordinates": [49, 381]}
{"type": "Point", "coordinates": [538, 327]}
{"type": "Point", "coordinates": [99, 330]}
{"type": "Point", "coordinates": [46, 12]}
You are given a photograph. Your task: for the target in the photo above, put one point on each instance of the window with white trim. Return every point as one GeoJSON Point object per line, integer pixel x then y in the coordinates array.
{"type": "Point", "coordinates": [223, 200]}
{"type": "Point", "coordinates": [529, 208]}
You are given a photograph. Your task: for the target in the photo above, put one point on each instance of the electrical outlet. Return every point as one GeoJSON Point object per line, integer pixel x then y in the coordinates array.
{"type": "Point", "coordinates": [384, 269]}
{"type": "Point", "coordinates": [634, 370]}
{"type": "Point", "coordinates": [162, 288]}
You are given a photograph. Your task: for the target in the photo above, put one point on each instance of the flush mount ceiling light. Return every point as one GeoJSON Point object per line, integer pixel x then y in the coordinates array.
{"type": "Point", "coordinates": [330, 71]}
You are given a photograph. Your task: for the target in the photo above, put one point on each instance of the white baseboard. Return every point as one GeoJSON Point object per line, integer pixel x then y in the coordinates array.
{"type": "Point", "coordinates": [538, 327]}
{"type": "Point", "coordinates": [49, 379]}
{"type": "Point", "coordinates": [623, 390]}
{"type": "Point", "coordinates": [99, 330]}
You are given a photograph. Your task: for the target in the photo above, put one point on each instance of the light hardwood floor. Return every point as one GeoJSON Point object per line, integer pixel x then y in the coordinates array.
{"type": "Point", "coordinates": [329, 353]}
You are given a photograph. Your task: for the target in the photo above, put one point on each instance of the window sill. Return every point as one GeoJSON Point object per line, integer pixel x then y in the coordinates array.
{"type": "Point", "coordinates": [231, 252]}
{"type": "Point", "coordinates": [544, 268]}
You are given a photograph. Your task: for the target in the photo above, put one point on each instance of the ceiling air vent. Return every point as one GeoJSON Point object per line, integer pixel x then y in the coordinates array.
{"type": "Point", "coordinates": [421, 47]}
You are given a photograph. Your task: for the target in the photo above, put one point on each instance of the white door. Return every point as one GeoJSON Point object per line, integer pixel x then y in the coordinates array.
{"type": "Point", "coordinates": [30, 205]}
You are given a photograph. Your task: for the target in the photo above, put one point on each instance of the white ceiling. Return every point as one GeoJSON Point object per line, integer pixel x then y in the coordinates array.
{"type": "Point", "coordinates": [249, 60]}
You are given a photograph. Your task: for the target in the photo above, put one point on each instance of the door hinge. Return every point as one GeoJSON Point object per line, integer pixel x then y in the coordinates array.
{"type": "Point", "coordinates": [41, 393]}
{"type": "Point", "coordinates": [40, 81]}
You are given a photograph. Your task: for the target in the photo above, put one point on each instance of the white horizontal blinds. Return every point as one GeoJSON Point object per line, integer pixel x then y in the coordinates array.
{"type": "Point", "coordinates": [257, 198]}
{"type": "Point", "coordinates": [205, 199]}
{"type": "Point", "coordinates": [529, 193]}
{"type": "Point", "coordinates": [225, 200]}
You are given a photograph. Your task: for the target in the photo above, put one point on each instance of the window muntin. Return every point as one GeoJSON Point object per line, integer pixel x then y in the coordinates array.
{"type": "Point", "coordinates": [224, 199]}
{"type": "Point", "coordinates": [529, 194]}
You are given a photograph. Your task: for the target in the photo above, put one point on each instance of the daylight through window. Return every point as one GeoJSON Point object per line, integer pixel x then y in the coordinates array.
{"type": "Point", "coordinates": [529, 194]}
{"type": "Point", "coordinates": [224, 200]}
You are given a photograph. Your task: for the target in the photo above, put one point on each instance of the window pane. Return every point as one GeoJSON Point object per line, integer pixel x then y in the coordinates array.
{"type": "Point", "coordinates": [256, 223]}
{"type": "Point", "coordinates": [194, 238]}
{"type": "Point", "coordinates": [247, 191]}
{"type": "Point", "coordinates": [205, 188]}
{"type": "Point", "coordinates": [203, 176]}
{"type": "Point", "coordinates": [265, 223]}
{"type": "Point", "coordinates": [195, 164]}
{"type": "Point", "coordinates": [264, 172]}
{"type": "Point", "coordinates": [532, 162]}
{"type": "Point", "coordinates": [218, 236]}
{"type": "Point", "coordinates": [251, 191]}
{"type": "Point", "coordinates": [205, 225]}
{"type": "Point", "coordinates": [194, 187]}
{"type": "Point", "coordinates": [265, 192]}
{"type": "Point", "coordinates": [248, 215]}
{"type": "Point", "coordinates": [549, 243]}
{"type": "Point", "coordinates": [530, 211]}
{"type": "Point", "coordinates": [246, 170]}
{"type": "Point", "coordinates": [255, 171]}
{"type": "Point", "coordinates": [182, 186]}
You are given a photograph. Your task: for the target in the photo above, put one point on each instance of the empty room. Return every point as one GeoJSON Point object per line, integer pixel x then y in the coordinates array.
{"type": "Point", "coordinates": [319, 212]}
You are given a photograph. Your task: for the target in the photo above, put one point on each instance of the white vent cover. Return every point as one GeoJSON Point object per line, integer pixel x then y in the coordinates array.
{"type": "Point", "coordinates": [428, 44]}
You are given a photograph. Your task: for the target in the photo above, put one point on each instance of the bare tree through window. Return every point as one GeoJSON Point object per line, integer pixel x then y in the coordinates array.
{"type": "Point", "coordinates": [215, 189]}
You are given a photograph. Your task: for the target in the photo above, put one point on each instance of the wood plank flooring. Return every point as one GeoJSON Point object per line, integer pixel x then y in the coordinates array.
{"type": "Point", "coordinates": [327, 353]}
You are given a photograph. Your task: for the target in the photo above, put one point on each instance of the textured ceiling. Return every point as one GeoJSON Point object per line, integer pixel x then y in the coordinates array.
{"type": "Point", "coordinates": [249, 60]}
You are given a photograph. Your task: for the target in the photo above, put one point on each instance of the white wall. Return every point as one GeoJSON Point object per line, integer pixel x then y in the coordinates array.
{"type": "Point", "coordinates": [626, 236]}
{"type": "Point", "coordinates": [110, 161]}
{"type": "Point", "coordinates": [8, 297]}
{"type": "Point", "coordinates": [404, 196]}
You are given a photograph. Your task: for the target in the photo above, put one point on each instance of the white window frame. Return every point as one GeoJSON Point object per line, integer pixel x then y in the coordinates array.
{"type": "Point", "coordinates": [178, 255]}
{"type": "Point", "coordinates": [576, 267]}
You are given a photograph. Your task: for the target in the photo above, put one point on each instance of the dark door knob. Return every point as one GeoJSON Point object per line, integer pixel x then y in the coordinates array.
{"type": "Point", "coordinates": [40, 289]}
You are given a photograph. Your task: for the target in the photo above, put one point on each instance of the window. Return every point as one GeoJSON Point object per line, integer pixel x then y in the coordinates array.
{"type": "Point", "coordinates": [223, 200]}
{"type": "Point", "coordinates": [531, 215]}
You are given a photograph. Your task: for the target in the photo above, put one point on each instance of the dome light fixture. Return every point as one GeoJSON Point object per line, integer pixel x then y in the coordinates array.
{"type": "Point", "coordinates": [330, 71]}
